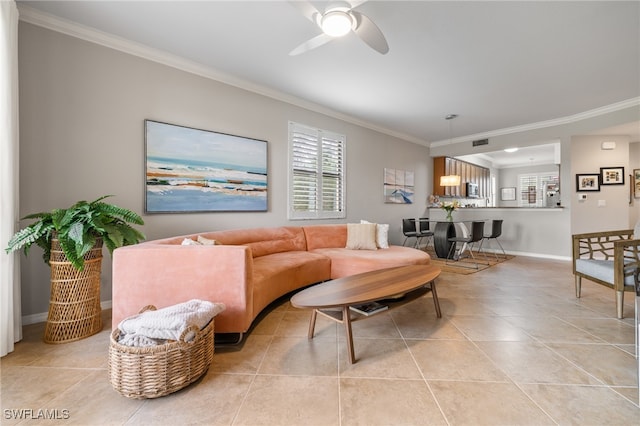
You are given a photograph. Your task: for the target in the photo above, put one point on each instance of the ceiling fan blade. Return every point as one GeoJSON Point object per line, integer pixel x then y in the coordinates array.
{"type": "Point", "coordinates": [370, 33]}
{"type": "Point", "coordinates": [317, 41]}
{"type": "Point", "coordinates": [306, 8]}
{"type": "Point", "coordinates": [356, 3]}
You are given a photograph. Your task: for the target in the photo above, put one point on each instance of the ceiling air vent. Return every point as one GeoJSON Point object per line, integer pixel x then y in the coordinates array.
{"type": "Point", "coordinates": [481, 142]}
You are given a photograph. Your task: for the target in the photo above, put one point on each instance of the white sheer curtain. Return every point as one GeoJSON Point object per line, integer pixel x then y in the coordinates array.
{"type": "Point", "coordinates": [10, 323]}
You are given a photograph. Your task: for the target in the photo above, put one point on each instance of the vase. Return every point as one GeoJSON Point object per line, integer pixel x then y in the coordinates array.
{"type": "Point", "coordinates": [449, 217]}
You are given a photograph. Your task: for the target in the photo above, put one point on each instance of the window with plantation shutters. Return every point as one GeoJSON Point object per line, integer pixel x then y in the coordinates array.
{"type": "Point", "coordinates": [533, 188]}
{"type": "Point", "coordinates": [316, 173]}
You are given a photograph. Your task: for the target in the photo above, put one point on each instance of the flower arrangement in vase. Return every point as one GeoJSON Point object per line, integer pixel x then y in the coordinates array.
{"type": "Point", "coordinates": [450, 207]}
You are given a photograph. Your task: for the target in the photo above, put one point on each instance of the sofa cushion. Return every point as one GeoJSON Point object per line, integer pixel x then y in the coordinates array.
{"type": "Point", "coordinates": [263, 241]}
{"type": "Point", "coordinates": [345, 262]}
{"type": "Point", "coordinates": [361, 236]}
{"type": "Point", "coordinates": [277, 274]}
{"type": "Point", "coordinates": [325, 236]}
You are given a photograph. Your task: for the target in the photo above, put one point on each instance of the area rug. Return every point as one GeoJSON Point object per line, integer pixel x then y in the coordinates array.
{"type": "Point", "coordinates": [466, 266]}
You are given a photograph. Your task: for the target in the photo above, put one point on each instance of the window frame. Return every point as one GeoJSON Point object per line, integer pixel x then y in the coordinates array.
{"type": "Point", "coordinates": [324, 141]}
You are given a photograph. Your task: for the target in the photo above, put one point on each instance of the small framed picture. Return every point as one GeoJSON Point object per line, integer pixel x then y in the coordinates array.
{"type": "Point", "coordinates": [587, 182]}
{"type": "Point", "coordinates": [612, 175]}
{"type": "Point", "coordinates": [508, 194]}
{"type": "Point", "coordinates": [636, 183]}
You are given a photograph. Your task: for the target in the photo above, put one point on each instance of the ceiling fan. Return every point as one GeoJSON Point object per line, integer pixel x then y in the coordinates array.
{"type": "Point", "coordinates": [338, 20]}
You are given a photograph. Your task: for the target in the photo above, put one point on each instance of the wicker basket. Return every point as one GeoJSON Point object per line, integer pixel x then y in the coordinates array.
{"type": "Point", "coordinates": [74, 304]}
{"type": "Point", "coordinates": [154, 371]}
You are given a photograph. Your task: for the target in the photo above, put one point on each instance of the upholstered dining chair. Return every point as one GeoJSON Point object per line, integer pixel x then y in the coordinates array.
{"type": "Point", "coordinates": [424, 231]}
{"type": "Point", "coordinates": [496, 231]}
{"type": "Point", "coordinates": [409, 230]}
{"type": "Point", "coordinates": [477, 233]}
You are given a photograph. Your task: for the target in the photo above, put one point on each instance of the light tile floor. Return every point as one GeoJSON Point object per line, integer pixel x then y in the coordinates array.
{"type": "Point", "coordinates": [514, 347]}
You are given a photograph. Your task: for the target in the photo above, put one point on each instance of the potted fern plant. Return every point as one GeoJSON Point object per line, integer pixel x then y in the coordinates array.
{"type": "Point", "coordinates": [72, 241]}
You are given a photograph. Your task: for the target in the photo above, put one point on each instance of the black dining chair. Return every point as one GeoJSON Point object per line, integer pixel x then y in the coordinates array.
{"type": "Point", "coordinates": [409, 230]}
{"type": "Point", "coordinates": [477, 233]}
{"type": "Point", "coordinates": [424, 231]}
{"type": "Point", "coordinates": [496, 231]}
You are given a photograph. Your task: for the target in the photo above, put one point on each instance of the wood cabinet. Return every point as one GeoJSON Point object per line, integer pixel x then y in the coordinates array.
{"type": "Point", "coordinates": [468, 172]}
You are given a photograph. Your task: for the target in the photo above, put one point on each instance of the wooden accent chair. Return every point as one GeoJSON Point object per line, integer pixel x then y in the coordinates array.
{"type": "Point", "coordinates": [609, 258]}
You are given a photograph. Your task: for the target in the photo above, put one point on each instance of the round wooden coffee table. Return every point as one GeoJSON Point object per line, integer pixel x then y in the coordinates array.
{"type": "Point", "coordinates": [395, 286]}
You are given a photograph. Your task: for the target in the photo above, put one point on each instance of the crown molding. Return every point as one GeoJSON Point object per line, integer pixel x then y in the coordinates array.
{"type": "Point", "coordinates": [45, 20]}
{"type": "Point", "coordinates": [629, 103]}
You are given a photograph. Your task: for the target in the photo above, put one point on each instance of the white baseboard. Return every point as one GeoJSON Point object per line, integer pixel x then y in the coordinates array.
{"type": "Point", "coordinates": [42, 316]}
{"type": "Point", "coordinates": [540, 255]}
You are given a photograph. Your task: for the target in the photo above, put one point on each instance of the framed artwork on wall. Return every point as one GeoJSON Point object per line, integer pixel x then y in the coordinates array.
{"type": "Point", "coordinates": [636, 183]}
{"type": "Point", "coordinates": [587, 182]}
{"type": "Point", "coordinates": [612, 175]}
{"type": "Point", "coordinates": [192, 170]}
{"type": "Point", "coordinates": [508, 194]}
{"type": "Point", "coordinates": [398, 186]}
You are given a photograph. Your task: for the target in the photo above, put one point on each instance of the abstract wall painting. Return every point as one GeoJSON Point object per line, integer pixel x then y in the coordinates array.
{"type": "Point", "coordinates": [398, 186]}
{"type": "Point", "coordinates": [192, 170]}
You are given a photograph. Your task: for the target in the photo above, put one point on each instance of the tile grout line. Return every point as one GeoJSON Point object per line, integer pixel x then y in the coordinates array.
{"type": "Point", "coordinates": [507, 374]}
{"type": "Point", "coordinates": [424, 379]}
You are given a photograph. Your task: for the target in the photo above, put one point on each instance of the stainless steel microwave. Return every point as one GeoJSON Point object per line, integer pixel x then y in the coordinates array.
{"type": "Point", "coordinates": [472, 190]}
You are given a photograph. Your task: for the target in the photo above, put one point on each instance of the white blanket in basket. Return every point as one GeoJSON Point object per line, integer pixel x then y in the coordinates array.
{"type": "Point", "coordinates": [156, 327]}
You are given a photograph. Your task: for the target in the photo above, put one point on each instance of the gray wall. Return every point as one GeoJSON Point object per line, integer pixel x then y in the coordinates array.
{"type": "Point", "coordinates": [588, 157]}
{"type": "Point", "coordinates": [82, 111]}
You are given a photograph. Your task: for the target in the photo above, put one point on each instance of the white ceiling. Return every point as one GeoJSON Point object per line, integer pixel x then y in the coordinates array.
{"type": "Point", "coordinates": [497, 65]}
{"type": "Point", "coordinates": [525, 156]}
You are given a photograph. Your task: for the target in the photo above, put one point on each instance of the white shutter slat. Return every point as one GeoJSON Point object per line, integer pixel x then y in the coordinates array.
{"type": "Point", "coordinates": [316, 186]}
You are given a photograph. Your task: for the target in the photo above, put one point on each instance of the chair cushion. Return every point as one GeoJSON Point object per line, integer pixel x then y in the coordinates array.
{"type": "Point", "coordinates": [600, 269]}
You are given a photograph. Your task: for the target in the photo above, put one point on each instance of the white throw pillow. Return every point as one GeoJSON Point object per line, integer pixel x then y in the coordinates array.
{"type": "Point", "coordinates": [206, 241]}
{"type": "Point", "coordinates": [382, 234]}
{"type": "Point", "coordinates": [361, 236]}
{"type": "Point", "coordinates": [636, 231]}
{"type": "Point", "coordinates": [190, 242]}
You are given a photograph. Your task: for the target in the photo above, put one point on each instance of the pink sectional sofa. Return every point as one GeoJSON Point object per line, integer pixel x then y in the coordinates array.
{"type": "Point", "coordinates": [247, 270]}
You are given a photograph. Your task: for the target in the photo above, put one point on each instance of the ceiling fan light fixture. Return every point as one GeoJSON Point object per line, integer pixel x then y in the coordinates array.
{"type": "Point", "coordinates": [336, 23]}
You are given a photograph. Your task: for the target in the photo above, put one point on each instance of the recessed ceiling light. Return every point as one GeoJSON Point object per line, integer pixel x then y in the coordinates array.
{"type": "Point", "coordinates": [608, 145]}
{"type": "Point", "coordinates": [510, 150]}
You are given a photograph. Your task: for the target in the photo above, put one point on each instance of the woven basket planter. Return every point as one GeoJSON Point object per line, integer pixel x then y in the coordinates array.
{"type": "Point", "coordinates": [155, 371]}
{"type": "Point", "coordinates": [74, 304]}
